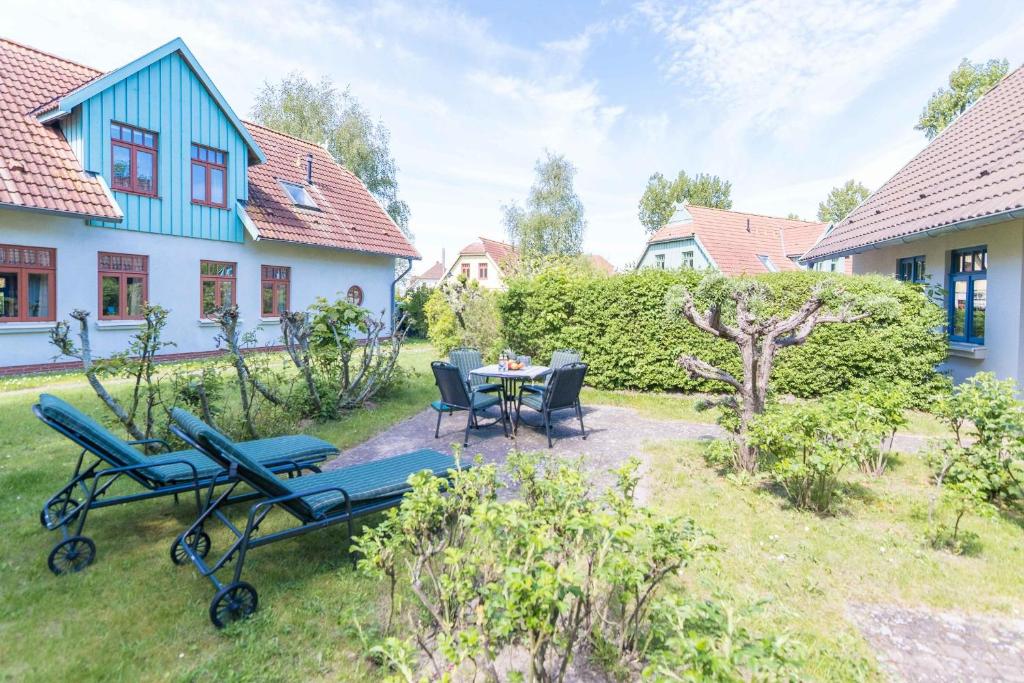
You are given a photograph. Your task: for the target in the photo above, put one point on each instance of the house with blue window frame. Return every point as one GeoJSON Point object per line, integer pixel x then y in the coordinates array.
{"type": "Point", "coordinates": [142, 184]}
{"type": "Point", "coordinates": [952, 219]}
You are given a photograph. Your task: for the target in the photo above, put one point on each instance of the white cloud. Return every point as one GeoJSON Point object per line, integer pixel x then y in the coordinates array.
{"type": "Point", "coordinates": [774, 65]}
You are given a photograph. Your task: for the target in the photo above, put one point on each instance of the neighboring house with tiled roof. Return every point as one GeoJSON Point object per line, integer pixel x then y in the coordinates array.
{"type": "Point", "coordinates": [953, 218]}
{"type": "Point", "coordinates": [141, 184]}
{"type": "Point", "coordinates": [601, 264]}
{"type": "Point", "coordinates": [733, 242]}
{"type": "Point", "coordinates": [428, 278]}
{"type": "Point", "coordinates": [485, 261]}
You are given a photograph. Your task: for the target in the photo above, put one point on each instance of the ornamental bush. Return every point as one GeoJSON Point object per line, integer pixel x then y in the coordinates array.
{"type": "Point", "coordinates": [517, 589]}
{"type": "Point", "coordinates": [621, 326]}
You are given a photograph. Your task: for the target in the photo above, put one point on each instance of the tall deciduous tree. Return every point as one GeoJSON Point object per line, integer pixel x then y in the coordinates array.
{"type": "Point", "coordinates": [552, 222]}
{"type": "Point", "coordinates": [841, 201]}
{"type": "Point", "coordinates": [967, 83]}
{"type": "Point", "coordinates": [317, 112]}
{"type": "Point", "coordinates": [736, 312]}
{"type": "Point", "coordinates": [662, 196]}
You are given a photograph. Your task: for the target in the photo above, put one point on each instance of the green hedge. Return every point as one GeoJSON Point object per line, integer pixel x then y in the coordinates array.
{"type": "Point", "coordinates": [621, 327]}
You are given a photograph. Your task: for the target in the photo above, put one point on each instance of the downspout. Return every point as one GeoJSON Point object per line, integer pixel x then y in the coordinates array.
{"type": "Point", "coordinates": [394, 283]}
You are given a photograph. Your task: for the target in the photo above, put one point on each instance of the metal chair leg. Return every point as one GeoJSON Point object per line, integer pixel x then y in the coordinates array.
{"type": "Point", "coordinates": [437, 429]}
{"type": "Point", "coordinates": [579, 414]}
{"type": "Point", "coordinates": [469, 423]}
{"type": "Point", "coordinates": [547, 427]}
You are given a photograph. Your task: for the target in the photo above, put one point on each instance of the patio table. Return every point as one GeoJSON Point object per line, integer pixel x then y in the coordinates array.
{"type": "Point", "coordinates": [510, 378]}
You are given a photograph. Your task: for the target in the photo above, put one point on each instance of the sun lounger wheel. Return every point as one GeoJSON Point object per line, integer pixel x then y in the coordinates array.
{"type": "Point", "coordinates": [54, 510]}
{"type": "Point", "coordinates": [71, 555]}
{"type": "Point", "coordinates": [198, 540]}
{"type": "Point", "coordinates": [233, 602]}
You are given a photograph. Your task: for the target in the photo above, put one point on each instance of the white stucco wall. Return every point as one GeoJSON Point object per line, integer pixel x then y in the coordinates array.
{"type": "Point", "coordinates": [493, 280]}
{"type": "Point", "coordinates": [174, 282]}
{"type": "Point", "coordinates": [1003, 351]}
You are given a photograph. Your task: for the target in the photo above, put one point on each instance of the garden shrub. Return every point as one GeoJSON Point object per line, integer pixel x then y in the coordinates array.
{"type": "Point", "coordinates": [413, 304]}
{"type": "Point", "coordinates": [980, 468]}
{"type": "Point", "coordinates": [621, 326]}
{"type": "Point", "coordinates": [461, 313]}
{"type": "Point", "coordinates": [536, 580]}
{"type": "Point", "coordinates": [804, 449]}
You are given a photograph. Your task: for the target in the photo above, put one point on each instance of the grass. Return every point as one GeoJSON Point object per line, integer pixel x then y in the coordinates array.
{"type": "Point", "coordinates": [809, 568]}
{"type": "Point", "coordinates": [133, 615]}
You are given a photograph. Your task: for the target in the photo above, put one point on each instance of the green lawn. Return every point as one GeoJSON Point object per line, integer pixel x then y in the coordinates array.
{"type": "Point", "coordinates": [809, 567]}
{"type": "Point", "coordinates": [134, 615]}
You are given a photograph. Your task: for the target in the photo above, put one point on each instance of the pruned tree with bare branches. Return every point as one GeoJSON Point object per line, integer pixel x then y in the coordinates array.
{"type": "Point", "coordinates": [738, 310]}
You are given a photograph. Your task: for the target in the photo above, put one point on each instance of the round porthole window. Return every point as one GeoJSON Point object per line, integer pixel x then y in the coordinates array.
{"type": "Point", "coordinates": [355, 295]}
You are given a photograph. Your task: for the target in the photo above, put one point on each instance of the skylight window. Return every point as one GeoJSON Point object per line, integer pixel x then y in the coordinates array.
{"type": "Point", "coordinates": [299, 194]}
{"type": "Point", "coordinates": [767, 263]}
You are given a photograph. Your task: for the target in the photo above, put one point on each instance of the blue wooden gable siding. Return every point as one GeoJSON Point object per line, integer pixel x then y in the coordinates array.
{"type": "Point", "coordinates": [673, 252]}
{"type": "Point", "coordinates": [168, 99]}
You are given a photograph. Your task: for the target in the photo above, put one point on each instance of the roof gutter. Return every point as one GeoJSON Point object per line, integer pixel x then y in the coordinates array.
{"type": "Point", "coordinates": [959, 226]}
{"type": "Point", "coordinates": [394, 283]}
{"type": "Point", "coordinates": [62, 214]}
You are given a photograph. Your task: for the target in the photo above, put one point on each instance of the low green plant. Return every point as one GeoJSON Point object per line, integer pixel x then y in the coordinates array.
{"type": "Point", "coordinates": [539, 578]}
{"type": "Point", "coordinates": [702, 640]}
{"type": "Point", "coordinates": [804, 448]}
{"type": "Point", "coordinates": [872, 413]}
{"type": "Point", "coordinates": [980, 468]}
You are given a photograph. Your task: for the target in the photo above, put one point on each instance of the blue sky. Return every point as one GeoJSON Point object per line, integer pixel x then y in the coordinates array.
{"type": "Point", "coordinates": [785, 98]}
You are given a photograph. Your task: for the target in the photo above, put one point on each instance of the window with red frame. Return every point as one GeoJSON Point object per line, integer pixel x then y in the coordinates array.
{"type": "Point", "coordinates": [482, 271]}
{"type": "Point", "coordinates": [274, 287]}
{"type": "Point", "coordinates": [133, 159]}
{"type": "Point", "coordinates": [465, 269]}
{"type": "Point", "coordinates": [124, 285]}
{"type": "Point", "coordinates": [355, 295]}
{"type": "Point", "coordinates": [28, 284]}
{"type": "Point", "coordinates": [209, 177]}
{"type": "Point", "coordinates": [216, 285]}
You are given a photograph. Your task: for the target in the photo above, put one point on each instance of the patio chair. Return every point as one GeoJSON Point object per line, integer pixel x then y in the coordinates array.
{"type": "Point", "coordinates": [167, 474]}
{"type": "Point", "coordinates": [562, 393]}
{"type": "Point", "coordinates": [315, 501]}
{"type": "Point", "coordinates": [467, 360]}
{"type": "Point", "coordinates": [455, 396]}
{"type": "Point", "coordinates": [559, 359]}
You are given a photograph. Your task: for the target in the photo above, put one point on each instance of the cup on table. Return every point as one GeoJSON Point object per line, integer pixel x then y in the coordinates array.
{"type": "Point", "coordinates": [525, 360]}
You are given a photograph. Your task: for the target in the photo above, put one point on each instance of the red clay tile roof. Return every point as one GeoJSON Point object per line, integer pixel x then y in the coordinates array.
{"type": "Point", "coordinates": [498, 251]}
{"type": "Point", "coordinates": [972, 170]}
{"type": "Point", "coordinates": [348, 216]}
{"type": "Point", "coordinates": [734, 250]}
{"type": "Point", "coordinates": [434, 272]}
{"type": "Point", "coordinates": [38, 170]}
{"type": "Point", "coordinates": [601, 263]}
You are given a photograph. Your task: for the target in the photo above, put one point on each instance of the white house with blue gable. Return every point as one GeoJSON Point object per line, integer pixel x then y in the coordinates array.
{"type": "Point", "coordinates": [141, 184]}
{"type": "Point", "coordinates": [734, 242]}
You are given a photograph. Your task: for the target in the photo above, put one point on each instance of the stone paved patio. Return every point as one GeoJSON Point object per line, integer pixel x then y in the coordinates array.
{"type": "Point", "coordinates": [920, 645]}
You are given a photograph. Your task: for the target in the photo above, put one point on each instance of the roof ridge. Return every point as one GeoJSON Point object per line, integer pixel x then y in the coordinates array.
{"type": "Point", "coordinates": [49, 54]}
{"type": "Point", "coordinates": [750, 213]}
{"type": "Point", "coordinates": [931, 143]}
{"type": "Point", "coordinates": [488, 239]}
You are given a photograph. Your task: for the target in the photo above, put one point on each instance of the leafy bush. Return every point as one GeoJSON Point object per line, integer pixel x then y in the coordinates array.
{"type": "Point", "coordinates": [981, 467]}
{"type": "Point", "coordinates": [621, 325]}
{"type": "Point", "coordinates": [413, 304]}
{"type": "Point", "coordinates": [461, 313]}
{"type": "Point", "coordinates": [804, 449]}
{"type": "Point", "coordinates": [872, 413]}
{"type": "Point", "coordinates": [535, 579]}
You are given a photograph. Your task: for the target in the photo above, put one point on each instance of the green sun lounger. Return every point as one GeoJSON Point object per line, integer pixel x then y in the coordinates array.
{"type": "Point", "coordinates": [314, 501]}
{"type": "Point", "coordinates": [106, 459]}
